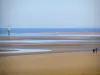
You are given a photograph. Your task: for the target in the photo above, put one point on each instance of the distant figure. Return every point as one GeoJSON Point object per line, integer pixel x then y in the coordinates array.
{"type": "Point", "coordinates": [9, 30]}
{"type": "Point", "coordinates": [96, 50]}
{"type": "Point", "coordinates": [93, 51]}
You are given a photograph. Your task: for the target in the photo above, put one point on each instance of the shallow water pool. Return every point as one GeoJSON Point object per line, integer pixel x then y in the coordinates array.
{"type": "Point", "coordinates": [23, 50]}
{"type": "Point", "coordinates": [48, 41]}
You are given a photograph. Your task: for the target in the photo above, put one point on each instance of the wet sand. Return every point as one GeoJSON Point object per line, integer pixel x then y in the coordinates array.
{"type": "Point", "coordinates": [6, 50]}
{"type": "Point", "coordinates": [72, 32]}
{"type": "Point", "coordinates": [48, 38]}
{"type": "Point", "coordinates": [73, 60]}
{"type": "Point", "coordinates": [18, 37]}
{"type": "Point", "coordinates": [65, 58]}
{"type": "Point", "coordinates": [14, 44]}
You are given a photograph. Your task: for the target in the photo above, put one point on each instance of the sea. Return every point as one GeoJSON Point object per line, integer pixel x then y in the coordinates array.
{"type": "Point", "coordinates": [34, 30]}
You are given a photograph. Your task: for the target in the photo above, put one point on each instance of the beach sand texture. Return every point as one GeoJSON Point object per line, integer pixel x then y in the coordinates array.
{"type": "Point", "coordinates": [63, 63]}
{"type": "Point", "coordinates": [74, 63]}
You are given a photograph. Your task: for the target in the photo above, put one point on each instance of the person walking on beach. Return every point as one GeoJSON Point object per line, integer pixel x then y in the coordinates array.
{"type": "Point", "coordinates": [96, 50]}
{"type": "Point", "coordinates": [93, 51]}
{"type": "Point", "coordinates": [9, 30]}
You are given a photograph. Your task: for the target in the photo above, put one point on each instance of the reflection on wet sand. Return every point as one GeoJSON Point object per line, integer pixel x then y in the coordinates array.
{"type": "Point", "coordinates": [38, 43]}
{"type": "Point", "coordinates": [62, 58]}
{"type": "Point", "coordinates": [50, 36]}
{"type": "Point", "coordinates": [12, 50]}
{"type": "Point", "coordinates": [48, 41]}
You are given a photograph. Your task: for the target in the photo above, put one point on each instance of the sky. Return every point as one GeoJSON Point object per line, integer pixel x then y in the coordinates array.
{"type": "Point", "coordinates": [49, 13]}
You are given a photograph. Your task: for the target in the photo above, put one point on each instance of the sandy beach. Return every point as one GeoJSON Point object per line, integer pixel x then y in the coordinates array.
{"type": "Point", "coordinates": [61, 61]}
{"type": "Point", "coordinates": [64, 59]}
{"type": "Point", "coordinates": [74, 63]}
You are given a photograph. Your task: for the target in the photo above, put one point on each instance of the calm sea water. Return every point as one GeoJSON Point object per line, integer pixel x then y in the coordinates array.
{"type": "Point", "coordinates": [30, 30]}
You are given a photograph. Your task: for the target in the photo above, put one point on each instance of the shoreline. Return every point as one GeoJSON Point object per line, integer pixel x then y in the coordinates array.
{"type": "Point", "coordinates": [66, 32]}
{"type": "Point", "coordinates": [55, 37]}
